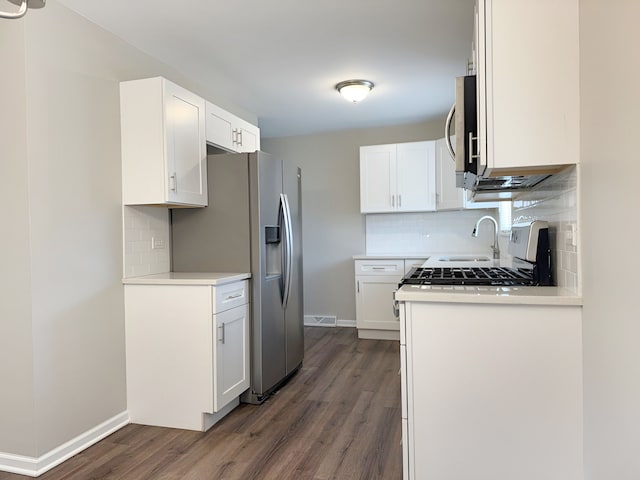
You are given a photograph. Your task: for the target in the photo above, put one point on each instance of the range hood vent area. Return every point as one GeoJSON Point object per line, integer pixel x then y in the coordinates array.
{"type": "Point", "coordinates": [491, 189]}
{"type": "Point", "coordinates": [533, 187]}
{"type": "Point", "coordinates": [512, 182]}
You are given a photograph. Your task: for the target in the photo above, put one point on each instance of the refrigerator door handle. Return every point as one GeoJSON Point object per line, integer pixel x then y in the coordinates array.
{"type": "Point", "coordinates": [288, 248]}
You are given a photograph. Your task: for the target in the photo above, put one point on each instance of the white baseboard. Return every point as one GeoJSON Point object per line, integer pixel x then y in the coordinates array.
{"type": "Point", "coordinates": [371, 334]}
{"type": "Point", "coordinates": [34, 467]}
{"type": "Point", "coordinates": [346, 323]}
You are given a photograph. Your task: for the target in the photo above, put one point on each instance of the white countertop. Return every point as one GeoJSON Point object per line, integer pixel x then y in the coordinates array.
{"type": "Point", "coordinates": [187, 278]}
{"type": "Point", "coordinates": [433, 258]}
{"type": "Point", "coordinates": [488, 294]}
{"type": "Point", "coordinates": [390, 256]}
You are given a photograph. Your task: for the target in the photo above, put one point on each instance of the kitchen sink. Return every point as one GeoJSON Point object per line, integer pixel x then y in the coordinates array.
{"type": "Point", "coordinates": [465, 258]}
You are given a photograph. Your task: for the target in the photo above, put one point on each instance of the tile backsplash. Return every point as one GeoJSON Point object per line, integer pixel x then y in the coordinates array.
{"type": "Point", "coordinates": [556, 201]}
{"type": "Point", "coordinates": [431, 232]}
{"type": "Point", "coordinates": [145, 227]}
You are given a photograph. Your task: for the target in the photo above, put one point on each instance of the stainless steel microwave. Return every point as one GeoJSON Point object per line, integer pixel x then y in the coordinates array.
{"type": "Point", "coordinates": [471, 167]}
{"type": "Point", "coordinates": [466, 127]}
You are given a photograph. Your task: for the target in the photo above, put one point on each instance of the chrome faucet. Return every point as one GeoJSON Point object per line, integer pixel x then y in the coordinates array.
{"type": "Point", "coordinates": [494, 247]}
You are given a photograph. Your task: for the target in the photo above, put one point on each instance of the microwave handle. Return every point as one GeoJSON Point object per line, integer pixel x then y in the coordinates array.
{"type": "Point", "coordinates": [447, 132]}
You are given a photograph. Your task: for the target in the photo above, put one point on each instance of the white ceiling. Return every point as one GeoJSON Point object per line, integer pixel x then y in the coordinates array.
{"type": "Point", "coordinates": [281, 59]}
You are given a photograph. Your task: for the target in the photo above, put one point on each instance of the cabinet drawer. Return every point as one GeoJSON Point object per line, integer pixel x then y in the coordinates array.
{"type": "Point", "coordinates": [380, 267]}
{"type": "Point", "coordinates": [230, 295]}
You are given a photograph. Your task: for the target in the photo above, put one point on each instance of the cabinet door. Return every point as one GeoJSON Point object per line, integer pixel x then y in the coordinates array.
{"type": "Point", "coordinates": [449, 197]}
{"type": "Point", "coordinates": [374, 302]}
{"type": "Point", "coordinates": [186, 150]}
{"type": "Point", "coordinates": [378, 178]}
{"type": "Point", "coordinates": [247, 137]}
{"type": "Point", "coordinates": [231, 345]}
{"type": "Point", "coordinates": [229, 132]}
{"type": "Point", "coordinates": [529, 84]}
{"type": "Point", "coordinates": [416, 170]}
{"type": "Point", "coordinates": [219, 128]}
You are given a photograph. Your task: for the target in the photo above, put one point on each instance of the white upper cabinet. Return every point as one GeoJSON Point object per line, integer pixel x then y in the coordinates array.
{"type": "Point", "coordinates": [219, 124]}
{"type": "Point", "coordinates": [163, 144]}
{"type": "Point", "coordinates": [416, 176]}
{"type": "Point", "coordinates": [448, 196]}
{"type": "Point", "coordinates": [229, 132]}
{"type": "Point", "coordinates": [528, 85]}
{"type": "Point", "coordinates": [247, 136]}
{"type": "Point", "coordinates": [377, 178]}
{"type": "Point", "coordinates": [397, 177]}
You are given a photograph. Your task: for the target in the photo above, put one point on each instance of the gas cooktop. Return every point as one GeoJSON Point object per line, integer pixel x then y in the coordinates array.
{"type": "Point", "coordinates": [501, 276]}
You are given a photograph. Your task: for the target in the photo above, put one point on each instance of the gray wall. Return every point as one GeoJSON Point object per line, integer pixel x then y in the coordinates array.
{"type": "Point", "coordinates": [16, 353]}
{"type": "Point", "coordinates": [610, 102]}
{"type": "Point", "coordinates": [62, 360]}
{"type": "Point", "coordinates": [333, 227]}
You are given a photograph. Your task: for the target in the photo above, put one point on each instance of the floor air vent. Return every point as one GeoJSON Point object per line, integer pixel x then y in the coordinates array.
{"type": "Point", "coordinates": [320, 321]}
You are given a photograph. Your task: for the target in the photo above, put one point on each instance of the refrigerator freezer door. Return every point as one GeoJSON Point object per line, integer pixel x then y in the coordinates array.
{"type": "Point", "coordinates": [294, 316]}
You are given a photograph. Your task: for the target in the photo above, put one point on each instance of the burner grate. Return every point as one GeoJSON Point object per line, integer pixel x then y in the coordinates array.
{"type": "Point", "coordinates": [468, 276]}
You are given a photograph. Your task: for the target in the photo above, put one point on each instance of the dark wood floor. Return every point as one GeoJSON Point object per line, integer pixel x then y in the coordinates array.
{"type": "Point", "coordinates": [338, 418]}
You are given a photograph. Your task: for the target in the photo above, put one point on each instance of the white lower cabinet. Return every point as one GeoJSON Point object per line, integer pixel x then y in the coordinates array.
{"type": "Point", "coordinates": [187, 352]}
{"type": "Point", "coordinates": [376, 280]}
{"type": "Point", "coordinates": [492, 391]}
{"type": "Point", "coordinates": [231, 366]}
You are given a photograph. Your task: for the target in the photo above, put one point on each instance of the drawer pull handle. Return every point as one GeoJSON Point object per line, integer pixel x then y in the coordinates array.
{"type": "Point", "coordinates": [235, 295]}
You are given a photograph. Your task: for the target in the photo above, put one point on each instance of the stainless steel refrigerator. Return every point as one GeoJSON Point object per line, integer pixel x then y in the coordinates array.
{"type": "Point", "coordinates": [252, 224]}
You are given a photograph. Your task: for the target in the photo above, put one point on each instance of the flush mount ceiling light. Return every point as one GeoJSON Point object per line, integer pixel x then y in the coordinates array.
{"type": "Point", "coordinates": [354, 90]}
{"type": "Point", "coordinates": [22, 8]}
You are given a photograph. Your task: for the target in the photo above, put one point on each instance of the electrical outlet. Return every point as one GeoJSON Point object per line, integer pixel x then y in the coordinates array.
{"type": "Point", "coordinates": [157, 243]}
